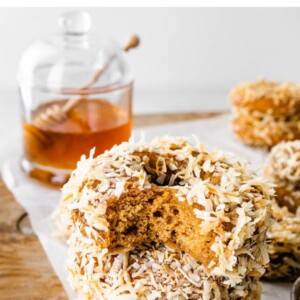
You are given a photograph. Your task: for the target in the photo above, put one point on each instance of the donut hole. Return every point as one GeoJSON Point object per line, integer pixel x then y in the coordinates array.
{"type": "Point", "coordinates": [143, 217]}
{"type": "Point", "coordinates": [160, 171]}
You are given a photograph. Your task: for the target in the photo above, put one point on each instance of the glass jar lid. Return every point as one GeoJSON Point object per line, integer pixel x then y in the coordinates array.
{"type": "Point", "coordinates": [72, 62]}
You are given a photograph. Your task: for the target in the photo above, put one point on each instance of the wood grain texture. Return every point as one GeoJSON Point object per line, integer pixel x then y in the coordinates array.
{"type": "Point", "coordinates": [25, 272]}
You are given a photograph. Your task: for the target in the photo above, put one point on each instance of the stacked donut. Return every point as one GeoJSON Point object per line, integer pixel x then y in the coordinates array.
{"type": "Point", "coordinates": [283, 168]}
{"type": "Point", "coordinates": [266, 113]}
{"type": "Point", "coordinates": [165, 220]}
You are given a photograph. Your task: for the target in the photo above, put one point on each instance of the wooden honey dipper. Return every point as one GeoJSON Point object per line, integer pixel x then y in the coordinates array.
{"type": "Point", "coordinates": [57, 114]}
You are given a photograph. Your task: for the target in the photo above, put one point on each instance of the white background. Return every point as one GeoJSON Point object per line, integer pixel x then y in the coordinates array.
{"type": "Point", "coordinates": [182, 48]}
{"type": "Point", "coordinates": [188, 60]}
{"type": "Point", "coordinates": [189, 57]}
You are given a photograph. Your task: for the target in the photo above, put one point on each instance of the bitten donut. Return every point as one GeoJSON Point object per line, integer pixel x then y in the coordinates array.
{"type": "Point", "coordinates": [266, 113]}
{"type": "Point", "coordinates": [283, 168]}
{"type": "Point", "coordinates": [204, 205]}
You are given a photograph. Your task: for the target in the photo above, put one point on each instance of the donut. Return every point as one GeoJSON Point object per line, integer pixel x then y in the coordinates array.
{"type": "Point", "coordinates": [156, 273]}
{"type": "Point", "coordinates": [283, 163]}
{"type": "Point", "coordinates": [284, 247]}
{"type": "Point", "coordinates": [276, 98]}
{"type": "Point", "coordinates": [266, 113]}
{"type": "Point", "coordinates": [283, 168]}
{"type": "Point", "coordinates": [263, 129]}
{"type": "Point", "coordinates": [205, 205]}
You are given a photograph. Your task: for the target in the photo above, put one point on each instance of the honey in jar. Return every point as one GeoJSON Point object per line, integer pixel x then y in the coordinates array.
{"type": "Point", "coordinates": [54, 71]}
{"type": "Point", "coordinates": [49, 145]}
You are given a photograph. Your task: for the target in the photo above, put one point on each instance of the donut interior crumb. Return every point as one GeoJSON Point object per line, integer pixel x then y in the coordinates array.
{"type": "Point", "coordinates": [155, 216]}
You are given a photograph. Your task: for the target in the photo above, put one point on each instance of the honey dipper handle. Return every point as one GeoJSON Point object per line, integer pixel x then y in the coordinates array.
{"type": "Point", "coordinates": [71, 103]}
{"type": "Point", "coordinates": [131, 43]}
{"type": "Point", "coordinates": [99, 73]}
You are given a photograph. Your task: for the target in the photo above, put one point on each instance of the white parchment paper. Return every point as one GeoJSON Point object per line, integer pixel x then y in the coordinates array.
{"type": "Point", "coordinates": [40, 201]}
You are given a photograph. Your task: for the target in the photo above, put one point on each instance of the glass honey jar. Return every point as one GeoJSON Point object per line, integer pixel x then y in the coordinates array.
{"type": "Point", "coordinates": [76, 94]}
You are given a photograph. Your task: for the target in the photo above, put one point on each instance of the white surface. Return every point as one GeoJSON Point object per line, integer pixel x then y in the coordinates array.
{"type": "Point", "coordinates": [40, 201]}
{"type": "Point", "coordinates": [197, 48]}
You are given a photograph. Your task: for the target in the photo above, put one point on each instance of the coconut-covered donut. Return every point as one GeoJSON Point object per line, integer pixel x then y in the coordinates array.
{"type": "Point", "coordinates": [283, 163]}
{"type": "Point", "coordinates": [284, 247]}
{"type": "Point", "coordinates": [277, 98]}
{"type": "Point", "coordinates": [266, 113]}
{"type": "Point", "coordinates": [283, 168]}
{"type": "Point", "coordinates": [264, 129]}
{"type": "Point", "coordinates": [156, 273]}
{"type": "Point", "coordinates": [206, 205]}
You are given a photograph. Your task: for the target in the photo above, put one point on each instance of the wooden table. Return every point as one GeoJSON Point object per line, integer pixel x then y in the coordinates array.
{"type": "Point", "coordinates": [25, 272]}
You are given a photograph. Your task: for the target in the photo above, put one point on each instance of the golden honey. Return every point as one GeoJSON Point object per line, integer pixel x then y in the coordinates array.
{"type": "Point", "coordinates": [52, 149]}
